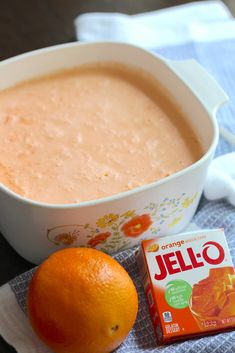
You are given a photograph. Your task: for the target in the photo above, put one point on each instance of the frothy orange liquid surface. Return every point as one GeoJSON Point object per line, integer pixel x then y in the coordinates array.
{"type": "Point", "coordinates": [89, 133]}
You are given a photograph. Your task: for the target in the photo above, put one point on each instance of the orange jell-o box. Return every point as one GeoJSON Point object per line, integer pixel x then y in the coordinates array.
{"type": "Point", "coordinates": [189, 282]}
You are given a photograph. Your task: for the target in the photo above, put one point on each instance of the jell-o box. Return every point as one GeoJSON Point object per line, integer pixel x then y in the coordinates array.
{"type": "Point", "coordinates": [189, 282]}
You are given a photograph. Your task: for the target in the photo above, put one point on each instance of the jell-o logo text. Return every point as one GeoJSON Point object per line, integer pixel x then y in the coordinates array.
{"type": "Point", "coordinates": [177, 261]}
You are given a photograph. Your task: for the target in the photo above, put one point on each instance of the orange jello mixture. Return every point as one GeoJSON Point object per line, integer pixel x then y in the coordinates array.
{"type": "Point", "coordinates": [89, 133]}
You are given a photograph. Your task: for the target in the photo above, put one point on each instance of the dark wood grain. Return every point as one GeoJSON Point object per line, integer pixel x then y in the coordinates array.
{"type": "Point", "coordinates": [27, 25]}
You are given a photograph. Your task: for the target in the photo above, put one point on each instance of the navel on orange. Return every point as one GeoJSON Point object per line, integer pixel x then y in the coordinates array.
{"type": "Point", "coordinates": [81, 300]}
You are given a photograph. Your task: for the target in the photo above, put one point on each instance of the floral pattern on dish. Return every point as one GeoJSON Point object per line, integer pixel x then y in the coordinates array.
{"type": "Point", "coordinates": [114, 232]}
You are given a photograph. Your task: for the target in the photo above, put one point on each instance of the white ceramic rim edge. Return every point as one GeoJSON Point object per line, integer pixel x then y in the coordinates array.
{"type": "Point", "coordinates": [211, 115]}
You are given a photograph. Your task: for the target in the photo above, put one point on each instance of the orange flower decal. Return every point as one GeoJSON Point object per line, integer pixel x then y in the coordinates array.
{"type": "Point", "coordinates": [136, 225]}
{"type": "Point", "coordinates": [65, 238]}
{"type": "Point", "coordinates": [99, 239]}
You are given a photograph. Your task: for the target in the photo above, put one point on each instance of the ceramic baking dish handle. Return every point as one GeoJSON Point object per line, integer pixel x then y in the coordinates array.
{"type": "Point", "coordinates": [201, 82]}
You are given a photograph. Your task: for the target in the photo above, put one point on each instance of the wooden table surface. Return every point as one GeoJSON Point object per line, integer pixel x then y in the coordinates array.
{"type": "Point", "coordinates": [31, 24]}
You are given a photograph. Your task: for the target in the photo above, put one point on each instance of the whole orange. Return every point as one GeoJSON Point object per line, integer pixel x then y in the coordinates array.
{"type": "Point", "coordinates": [81, 300]}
